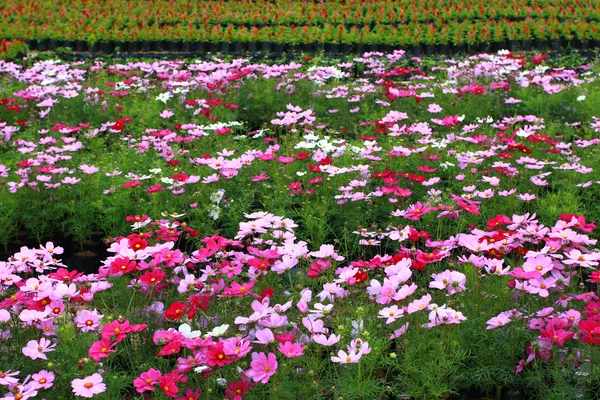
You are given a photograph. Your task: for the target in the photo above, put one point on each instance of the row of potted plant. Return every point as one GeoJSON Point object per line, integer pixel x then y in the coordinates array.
{"type": "Point", "coordinates": [298, 12]}
{"type": "Point", "coordinates": [455, 33]}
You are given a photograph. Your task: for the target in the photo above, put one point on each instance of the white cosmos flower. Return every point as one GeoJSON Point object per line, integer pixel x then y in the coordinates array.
{"type": "Point", "coordinates": [218, 331]}
{"type": "Point", "coordinates": [187, 331]}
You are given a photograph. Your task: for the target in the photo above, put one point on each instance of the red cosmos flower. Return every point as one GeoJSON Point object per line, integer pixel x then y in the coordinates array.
{"type": "Point", "coordinates": [538, 59]}
{"type": "Point", "coordinates": [168, 386]}
{"type": "Point", "coordinates": [132, 184]}
{"type": "Point", "coordinates": [216, 355]}
{"type": "Point", "coordinates": [180, 177]}
{"type": "Point", "coordinates": [358, 278]}
{"type": "Point", "coordinates": [260, 264]}
{"type": "Point", "coordinates": [173, 163]}
{"type": "Point", "coordinates": [237, 390]}
{"type": "Point", "coordinates": [316, 267]}
{"type": "Point", "coordinates": [171, 348]}
{"type": "Point", "coordinates": [284, 337]}
{"type": "Point", "coordinates": [581, 222]}
{"type": "Point", "coordinates": [302, 155]}
{"type": "Point", "coordinates": [592, 310]}
{"type": "Point", "coordinates": [268, 292]}
{"type": "Point", "coordinates": [190, 394]}
{"type": "Point", "coordinates": [152, 278]}
{"type": "Point", "coordinates": [591, 331]}
{"type": "Point", "coordinates": [64, 275]}
{"type": "Point", "coordinates": [414, 235]}
{"type": "Point", "coordinates": [136, 242]}
{"type": "Point", "coordinates": [154, 189]}
{"type": "Point", "coordinates": [520, 147]}
{"type": "Point", "coordinates": [498, 220]}
{"type": "Point", "coordinates": [558, 336]}
{"type": "Point", "coordinates": [136, 218]}
{"type": "Point", "coordinates": [239, 290]}
{"type": "Point", "coordinates": [197, 302]}
{"type": "Point", "coordinates": [428, 258]}
{"type": "Point", "coordinates": [326, 161]}
{"type": "Point", "coordinates": [122, 266]}
{"type": "Point", "coordinates": [116, 329]}
{"type": "Point", "coordinates": [175, 310]}
{"type": "Point", "coordinates": [101, 349]}
{"type": "Point", "coordinates": [470, 208]}
{"type": "Point", "coordinates": [595, 277]}
{"type": "Point", "coordinates": [314, 168]}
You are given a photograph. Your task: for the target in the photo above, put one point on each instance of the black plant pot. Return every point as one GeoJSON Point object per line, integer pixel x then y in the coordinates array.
{"type": "Point", "coordinates": [556, 45]}
{"type": "Point", "coordinates": [68, 43]}
{"type": "Point", "coordinates": [226, 47]}
{"type": "Point", "coordinates": [511, 45]}
{"type": "Point", "coordinates": [238, 48]}
{"type": "Point", "coordinates": [108, 47]}
{"type": "Point", "coordinates": [539, 44]}
{"type": "Point", "coordinates": [174, 47]}
{"type": "Point", "coordinates": [266, 47]}
{"type": "Point", "coordinates": [359, 49]}
{"type": "Point", "coordinates": [32, 44]}
{"type": "Point", "coordinates": [485, 47]}
{"type": "Point", "coordinates": [134, 47]}
{"type": "Point", "coordinates": [198, 47]}
{"type": "Point", "coordinates": [331, 48]}
{"type": "Point", "coordinates": [215, 47]}
{"type": "Point", "coordinates": [80, 46]}
{"type": "Point", "coordinates": [279, 47]}
{"type": "Point", "coordinates": [443, 49]}
{"type": "Point", "coordinates": [345, 48]}
{"type": "Point", "coordinates": [429, 49]}
{"type": "Point", "coordinates": [42, 45]}
{"type": "Point", "coordinates": [54, 44]}
{"type": "Point", "coordinates": [185, 47]}
{"type": "Point", "coordinates": [584, 44]}
{"type": "Point", "coordinates": [252, 47]}
{"type": "Point", "coordinates": [526, 45]}
{"type": "Point", "coordinates": [86, 262]}
{"type": "Point", "coordinates": [416, 50]}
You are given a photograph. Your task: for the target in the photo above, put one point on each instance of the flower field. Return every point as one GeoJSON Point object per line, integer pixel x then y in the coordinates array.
{"type": "Point", "coordinates": [187, 26]}
{"type": "Point", "coordinates": [380, 227]}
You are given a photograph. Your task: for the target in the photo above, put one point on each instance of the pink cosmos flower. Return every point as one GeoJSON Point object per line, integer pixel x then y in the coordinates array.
{"type": "Point", "coordinates": [42, 380]}
{"type": "Point", "coordinates": [391, 313]}
{"type": "Point", "coordinates": [291, 350]}
{"type": "Point", "coordinates": [326, 341]}
{"type": "Point", "coordinates": [500, 320]}
{"type": "Point", "coordinates": [262, 367]}
{"type": "Point", "coordinates": [147, 380]}
{"type": "Point", "coordinates": [88, 320]}
{"type": "Point", "coordinates": [434, 108]}
{"type": "Point", "coordinates": [582, 259]}
{"type": "Point", "coordinates": [88, 386]}
{"type": "Point", "coordinates": [35, 350]}
{"type": "Point", "coordinates": [166, 114]}
{"type": "Point", "coordinates": [415, 211]}
{"type": "Point", "coordinates": [88, 169]}
{"type": "Point", "coordinates": [6, 378]}
{"type": "Point", "coordinates": [352, 357]}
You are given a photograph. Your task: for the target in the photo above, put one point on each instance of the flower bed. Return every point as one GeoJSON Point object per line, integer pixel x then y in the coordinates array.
{"type": "Point", "coordinates": [381, 227]}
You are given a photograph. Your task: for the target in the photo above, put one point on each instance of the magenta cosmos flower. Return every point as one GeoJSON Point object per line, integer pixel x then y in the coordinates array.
{"type": "Point", "coordinates": [262, 367]}
{"type": "Point", "coordinates": [88, 386]}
